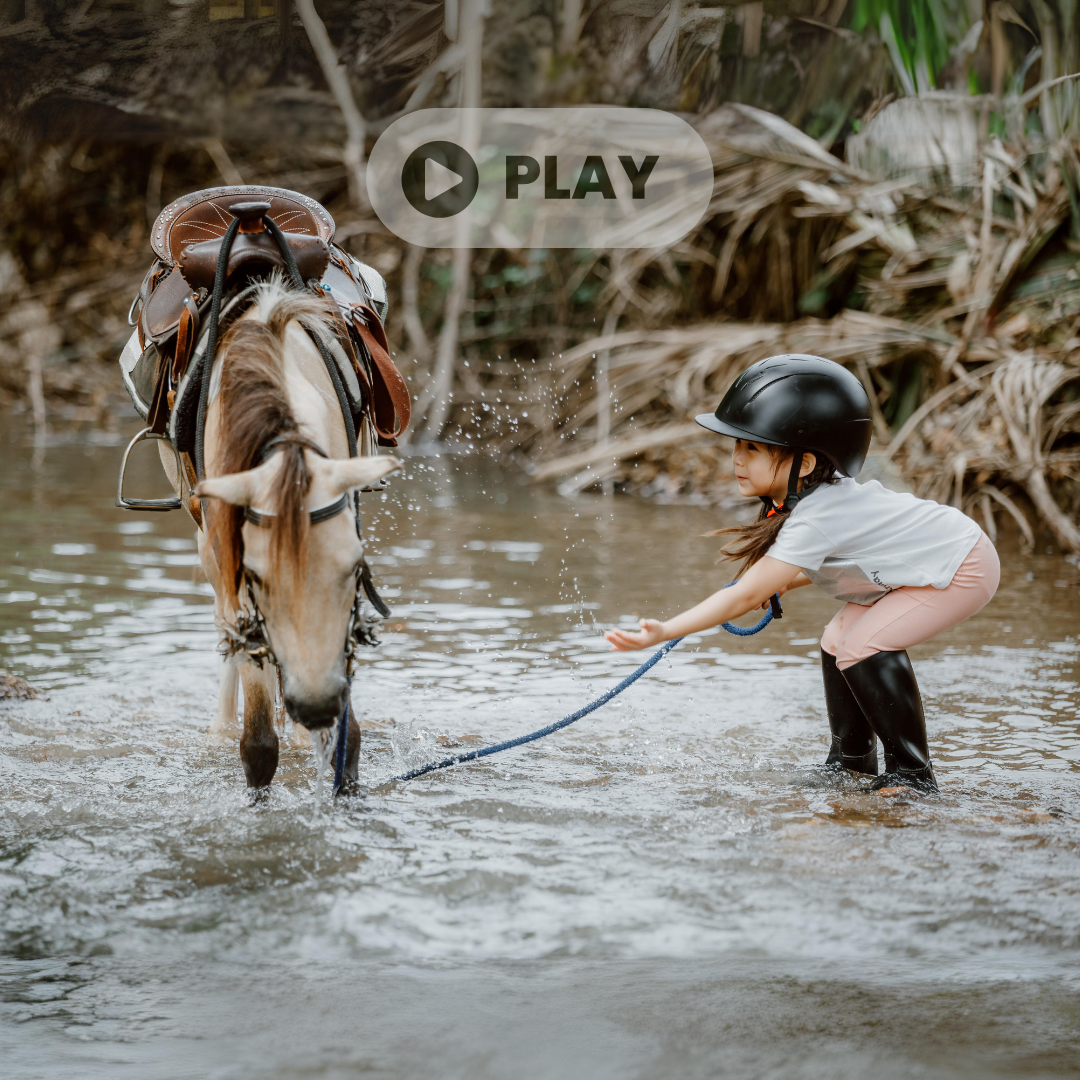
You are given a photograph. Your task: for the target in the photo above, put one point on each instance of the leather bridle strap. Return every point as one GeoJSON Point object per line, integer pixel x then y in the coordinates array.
{"type": "Point", "coordinates": [320, 513]}
{"type": "Point", "coordinates": [290, 439]}
{"type": "Point", "coordinates": [317, 516]}
{"type": "Point", "coordinates": [331, 365]}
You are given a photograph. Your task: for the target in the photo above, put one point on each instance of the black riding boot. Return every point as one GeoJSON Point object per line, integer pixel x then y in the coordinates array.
{"type": "Point", "coordinates": [884, 685]}
{"type": "Point", "coordinates": [853, 743]}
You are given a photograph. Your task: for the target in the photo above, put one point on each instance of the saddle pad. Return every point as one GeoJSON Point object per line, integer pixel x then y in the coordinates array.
{"type": "Point", "coordinates": [137, 368]}
{"type": "Point", "coordinates": [204, 215]}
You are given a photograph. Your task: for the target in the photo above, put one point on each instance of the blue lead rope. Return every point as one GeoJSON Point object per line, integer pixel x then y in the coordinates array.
{"type": "Point", "coordinates": [521, 740]}
{"type": "Point", "coordinates": [774, 612]}
{"type": "Point", "coordinates": [342, 743]}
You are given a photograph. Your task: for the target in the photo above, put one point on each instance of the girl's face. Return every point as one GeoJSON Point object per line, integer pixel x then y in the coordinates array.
{"type": "Point", "coordinates": [763, 470]}
{"type": "Point", "coordinates": [760, 470]}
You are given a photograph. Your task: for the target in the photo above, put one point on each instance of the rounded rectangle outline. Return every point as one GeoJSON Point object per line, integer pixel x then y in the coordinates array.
{"type": "Point", "coordinates": [603, 194]}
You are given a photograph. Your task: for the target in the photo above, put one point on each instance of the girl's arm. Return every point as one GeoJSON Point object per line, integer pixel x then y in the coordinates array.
{"type": "Point", "coordinates": [751, 591]}
{"type": "Point", "coordinates": [797, 582]}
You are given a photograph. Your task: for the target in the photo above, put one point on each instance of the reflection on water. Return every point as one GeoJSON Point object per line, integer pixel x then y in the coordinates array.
{"type": "Point", "coordinates": [661, 879]}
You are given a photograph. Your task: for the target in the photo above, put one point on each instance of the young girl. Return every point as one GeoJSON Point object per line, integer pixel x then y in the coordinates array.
{"type": "Point", "coordinates": [906, 568]}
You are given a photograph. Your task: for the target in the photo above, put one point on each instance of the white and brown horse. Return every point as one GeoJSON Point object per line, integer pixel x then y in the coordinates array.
{"type": "Point", "coordinates": [275, 450]}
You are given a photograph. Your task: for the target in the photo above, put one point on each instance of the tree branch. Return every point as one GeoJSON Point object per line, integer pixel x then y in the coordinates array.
{"type": "Point", "coordinates": [337, 79]}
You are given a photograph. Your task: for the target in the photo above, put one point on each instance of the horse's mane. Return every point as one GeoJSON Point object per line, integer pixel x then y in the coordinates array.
{"type": "Point", "coordinates": [253, 408]}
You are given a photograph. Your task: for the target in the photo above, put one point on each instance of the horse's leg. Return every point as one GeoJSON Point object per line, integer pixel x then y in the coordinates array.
{"type": "Point", "coordinates": [259, 742]}
{"type": "Point", "coordinates": [226, 727]}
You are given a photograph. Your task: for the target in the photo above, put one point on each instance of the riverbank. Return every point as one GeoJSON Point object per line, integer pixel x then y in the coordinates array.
{"type": "Point", "coordinates": [959, 309]}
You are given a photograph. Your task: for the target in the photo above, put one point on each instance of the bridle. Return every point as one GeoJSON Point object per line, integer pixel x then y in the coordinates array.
{"type": "Point", "coordinates": [248, 633]}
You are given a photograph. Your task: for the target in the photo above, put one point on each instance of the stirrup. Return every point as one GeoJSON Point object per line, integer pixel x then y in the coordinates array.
{"type": "Point", "coordinates": [147, 504]}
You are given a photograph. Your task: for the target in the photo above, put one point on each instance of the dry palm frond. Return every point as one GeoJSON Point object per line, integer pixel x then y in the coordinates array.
{"type": "Point", "coordinates": [999, 414]}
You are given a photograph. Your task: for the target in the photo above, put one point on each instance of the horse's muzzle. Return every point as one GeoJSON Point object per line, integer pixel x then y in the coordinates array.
{"type": "Point", "coordinates": [314, 713]}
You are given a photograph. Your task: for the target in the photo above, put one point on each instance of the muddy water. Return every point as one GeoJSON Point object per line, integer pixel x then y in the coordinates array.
{"type": "Point", "coordinates": [669, 888]}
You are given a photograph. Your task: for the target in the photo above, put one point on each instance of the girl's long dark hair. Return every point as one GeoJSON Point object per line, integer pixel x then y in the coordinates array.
{"type": "Point", "coordinates": [754, 540]}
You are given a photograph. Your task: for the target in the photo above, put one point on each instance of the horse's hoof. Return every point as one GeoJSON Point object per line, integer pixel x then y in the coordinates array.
{"type": "Point", "coordinates": [258, 795]}
{"type": "Point", "coordinates": [351, 789]}
{"type": "Point", "coordinates": [260, 760]}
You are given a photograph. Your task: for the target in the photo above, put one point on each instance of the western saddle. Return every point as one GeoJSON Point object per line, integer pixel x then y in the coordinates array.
{"type": "Point", "coordinates": [260, 229]}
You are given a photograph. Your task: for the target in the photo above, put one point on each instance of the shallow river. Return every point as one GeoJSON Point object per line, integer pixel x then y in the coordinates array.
{"type": "Point", "coordinates": [670, 888]}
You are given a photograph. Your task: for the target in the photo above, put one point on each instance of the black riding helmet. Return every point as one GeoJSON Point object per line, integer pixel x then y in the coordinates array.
{"type": "Point", "coordinates": [801, 402]}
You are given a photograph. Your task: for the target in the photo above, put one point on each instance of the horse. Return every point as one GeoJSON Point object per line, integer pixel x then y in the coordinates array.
{"type": "Point", "coordinates": [284, 560]}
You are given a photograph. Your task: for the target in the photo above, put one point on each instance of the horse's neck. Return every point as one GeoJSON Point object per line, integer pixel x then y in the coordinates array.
{"type": "Point", "coordinates": [312, 397]}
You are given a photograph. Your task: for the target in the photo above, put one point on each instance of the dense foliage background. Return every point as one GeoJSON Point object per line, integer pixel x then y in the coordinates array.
{"type": "Point", "coordinates": [896, 187]}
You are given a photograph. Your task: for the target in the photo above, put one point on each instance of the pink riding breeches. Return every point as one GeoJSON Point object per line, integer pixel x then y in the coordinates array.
{"type": "Point", "coordinates": [911, 615]}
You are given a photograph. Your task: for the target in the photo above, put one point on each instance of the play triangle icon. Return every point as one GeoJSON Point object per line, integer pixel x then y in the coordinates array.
{"type": "Point", "coordinates": [438, 179]}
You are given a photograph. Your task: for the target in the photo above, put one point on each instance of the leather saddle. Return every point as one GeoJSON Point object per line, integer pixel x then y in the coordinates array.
{"type": "Point", "coordinates": [187, 235]}
{"type": "Point", "coordinates": [174, 299]}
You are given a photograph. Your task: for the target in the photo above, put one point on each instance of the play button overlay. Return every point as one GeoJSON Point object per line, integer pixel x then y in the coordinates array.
{"type": "Point", "coordinates": [439, 179]}
{"type": "Point", "coordinates": [590, 176]}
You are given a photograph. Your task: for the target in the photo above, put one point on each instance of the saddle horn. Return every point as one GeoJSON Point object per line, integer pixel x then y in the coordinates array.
{"type": "Point", "coordinates": [251, 215]}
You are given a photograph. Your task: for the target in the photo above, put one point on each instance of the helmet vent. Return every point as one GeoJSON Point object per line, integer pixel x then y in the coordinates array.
{"type": "Point", "coordinates": [769, 385]}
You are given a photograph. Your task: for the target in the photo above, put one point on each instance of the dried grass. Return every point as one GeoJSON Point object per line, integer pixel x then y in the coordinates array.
{"type": "Point", "coordinates": [977, 370]}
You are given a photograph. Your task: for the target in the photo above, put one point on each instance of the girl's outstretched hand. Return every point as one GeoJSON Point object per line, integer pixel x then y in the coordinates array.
{"type": "Point", "coordinates": [651, 633]}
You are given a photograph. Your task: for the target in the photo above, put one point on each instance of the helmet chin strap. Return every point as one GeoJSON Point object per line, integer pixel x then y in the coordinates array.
{"type": "Point", "coordinates": [793, 495]}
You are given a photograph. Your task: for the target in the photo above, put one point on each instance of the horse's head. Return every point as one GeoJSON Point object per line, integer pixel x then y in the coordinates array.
{"type": "Point", "coordinates": [303, 575]}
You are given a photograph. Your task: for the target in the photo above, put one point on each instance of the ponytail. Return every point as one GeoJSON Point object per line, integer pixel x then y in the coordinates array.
{"type": "Point", "coordinates": [753, 541]}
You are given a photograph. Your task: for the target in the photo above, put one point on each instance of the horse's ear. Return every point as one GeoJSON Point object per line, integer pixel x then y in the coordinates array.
{"type": "Point", "coordinates": [239, 489]}
{"type": "Point", "coordinates": [344, 474]}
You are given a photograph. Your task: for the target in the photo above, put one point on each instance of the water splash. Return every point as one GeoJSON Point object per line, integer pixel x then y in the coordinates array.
{"type": "Point", "coordinates": [322, 745]}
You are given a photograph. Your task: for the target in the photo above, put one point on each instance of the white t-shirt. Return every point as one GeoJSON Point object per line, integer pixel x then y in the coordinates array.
{"type": "Point", "coordinates": [858, 542]}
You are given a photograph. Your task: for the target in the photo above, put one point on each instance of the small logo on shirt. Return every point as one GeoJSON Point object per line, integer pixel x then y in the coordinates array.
{"type": "Point", "coordinates": [876, 577]}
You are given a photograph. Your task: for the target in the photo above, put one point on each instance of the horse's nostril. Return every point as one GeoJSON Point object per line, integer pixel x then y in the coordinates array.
{"type": "Point", "coordinates": [315, 713]}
